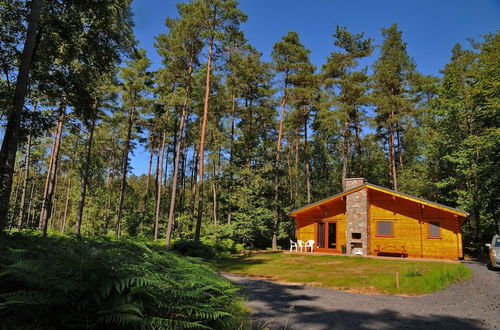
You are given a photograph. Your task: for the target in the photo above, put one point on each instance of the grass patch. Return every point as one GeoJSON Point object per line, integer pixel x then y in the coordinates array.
{"type": "Point", "coordinates": [366, 275]}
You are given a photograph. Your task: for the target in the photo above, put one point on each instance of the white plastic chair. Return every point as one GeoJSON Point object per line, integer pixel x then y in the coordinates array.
{"type": "Point", "coordinates": [293, 245]}
{"type": "Point", "coordinates": [310, 244]}
{"type": "Point", "coordinates": [300, 243]}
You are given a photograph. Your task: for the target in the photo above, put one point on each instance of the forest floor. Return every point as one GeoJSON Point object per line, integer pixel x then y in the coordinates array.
{"type": "Point", "coordinates": [470, 304]}
{"type": "Point", "coordinates": [353, 274]}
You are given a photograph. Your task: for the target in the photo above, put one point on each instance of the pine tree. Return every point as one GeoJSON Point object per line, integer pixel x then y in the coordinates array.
{"type": "Point", "coordinates": [180, 49]}
{"type": "Point", "coordinates": [349, 85]}
{"type": "Point", "coordinates": [291, 62]}
{"type": "Point", "coordinates": [222, 18]}
{"type": "Point", "coordinates": [391, 84]}
{"type": "Point", "coordinates": [136, 80]}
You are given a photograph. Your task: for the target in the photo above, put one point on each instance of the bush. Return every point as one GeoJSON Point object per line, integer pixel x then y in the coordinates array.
{"type": "Point", "coordinates": [62, 282]}
{"type": "Point", "coordinates": [193, 249]}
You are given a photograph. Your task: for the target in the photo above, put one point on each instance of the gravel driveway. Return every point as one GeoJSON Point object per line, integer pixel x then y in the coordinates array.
{"type": "Point", "coordinates": [472, 304]}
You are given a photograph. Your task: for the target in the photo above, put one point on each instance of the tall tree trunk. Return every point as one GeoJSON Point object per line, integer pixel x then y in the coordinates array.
{"type": "Point", "coordinates": [346, 152]}
{"type": "Point", "coordinates": [296, 165]}
{"type": "Point", "coordinates": [66, 207]}
{"type": "Point", "coordinates": [276, 172]}
{"type": "Point", "coordinates": [392, 156]}
{"type": "Point", "coordinates": [400, 148]}
{"type": "Point", "coordinates": [17, 184]}
{"type": "Point", "coordinates": [148, 178]}
{"type": "Point", "coordinates": [289, 165]}
{"type": "Point", "coordinates": [233, 118]}
{"type": "Point", "coordinates": [214, 195]}
{"type": "Point", "coordinates": [358, 148]}
{"type": "Point", "coordinates": [85, 173]}
{"type": "Point", "coordinates": [192, 201]}
{"type": "Point", "coordinates": [158, 183]}
{"type": "Point", "coordinates": [52, 173]}
{"type": "Point", "coordinates": [231, 155]}
{"type": "Point", "coordinates": [12, 130]}
{"type": "Point", "coordinates": [183, 176]}
{"type": "Point", "coordinates": [202, 144]}
{"type": "Point", "coordinates": [20, 220]}
{"type": "Point", "coordinates": [48, 175]}
{"type": "Point", "coordinates": [123, 182]}
{"type": "Point", "coordinates": [179, 139]}
{"type": "Point", "coordinates": [107, 207]}
{"type": "Point", "coordinates": [306, 155]}
{"type": "Point", "coordinates": [30, 205]}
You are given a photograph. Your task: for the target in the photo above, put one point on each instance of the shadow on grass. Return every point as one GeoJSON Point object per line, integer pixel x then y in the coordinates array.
{"type": "Point", "coordinates": [235, 264]}
{"type": "Point", "coordinates": [279, 306]}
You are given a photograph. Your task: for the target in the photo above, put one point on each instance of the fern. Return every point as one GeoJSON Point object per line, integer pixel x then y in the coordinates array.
{"type": "Point", "coordinates": [71, 282]}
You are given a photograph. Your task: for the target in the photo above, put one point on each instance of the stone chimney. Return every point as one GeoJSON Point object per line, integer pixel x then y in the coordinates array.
{"type": "Point", "coordinates": [350, 183]}
{"type": "Point", "coordinates": [356, 217]}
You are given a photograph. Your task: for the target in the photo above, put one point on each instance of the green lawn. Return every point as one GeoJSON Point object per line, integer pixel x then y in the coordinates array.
{"type": "Point", "coordinates": [365, 275]}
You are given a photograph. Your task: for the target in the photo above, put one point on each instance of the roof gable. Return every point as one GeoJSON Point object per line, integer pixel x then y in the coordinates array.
{"type": "Point", "coordinates": [384, 190]}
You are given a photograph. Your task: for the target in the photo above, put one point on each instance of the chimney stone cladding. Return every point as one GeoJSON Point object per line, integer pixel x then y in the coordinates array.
{"type": "Point", "coordinates": [356, 217]}
{"type": "Point", "coordinates": [350, 183]}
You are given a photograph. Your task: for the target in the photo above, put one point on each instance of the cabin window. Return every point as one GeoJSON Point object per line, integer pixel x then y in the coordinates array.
{"type": "Point", "coordinates": [356, 235]}
{"type": "Point", "coordinates": [385, 228]}
{"type": "Point", "coordinates": [434, 230]}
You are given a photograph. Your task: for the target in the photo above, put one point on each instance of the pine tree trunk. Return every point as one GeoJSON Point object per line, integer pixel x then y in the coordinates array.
{"type": "Point", "coordinates": [158, 183]}
{"type": "Point", "coordinates": [392, 158]}
{"type": "Point", "coordinates": [192, 198]}
{"type": "Point", "coordinates": [52, 173]}
{"type": "Point", "coordinates": [17, 184]}
{"type": "Point", "coordinates": [85, 174]}
{"type": "Point", "coordinates": [66, 206]}
{"type": "Point", "coordinates": [276, 169]}
{"type": "Point", "coordinates": [296, 163]}
{"type": "Point", "coordinates": [358, 149]}
{"type": "Point", "coordinates": [202, 145]}
{"type": "Point", "coordinates": [123, 182]}
{"type": "Point", "coordinates": [214, 195]}
{"type": "Point", "coordinates": [148, 178]}
{"type": "Point", "coordinates": [306, 155]}
{"type": "Point", "coordinates": [12, 130]}
{"type": "Point", "coordinates": [346, 152]}
{"type": "Point", "coordinates": [108, 201]}
{"type": "Point", "coordinates": [400, 149]}
{"type": "Point", "coordinates": [289, 165]}
{"type": "Point", "coordinates": [30, 205]}
{"type": "Point", "coordinates": [47, 177]}
{"type": "Point", "coordinates": [183, 176]}
{"type": "Point", "coordinates": [20, 220]}
{"type": "Point", "coordinates": [179, 139]}
{"type": "Point", "coordinates": [231, 155]}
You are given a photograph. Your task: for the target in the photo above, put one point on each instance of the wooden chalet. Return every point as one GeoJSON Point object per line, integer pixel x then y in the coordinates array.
{"type": "Point", "coordinates": [367, 219]}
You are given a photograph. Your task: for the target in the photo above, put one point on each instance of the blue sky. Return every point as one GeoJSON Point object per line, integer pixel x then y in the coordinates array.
{"type": "Point", "coordinates": [430, 28]}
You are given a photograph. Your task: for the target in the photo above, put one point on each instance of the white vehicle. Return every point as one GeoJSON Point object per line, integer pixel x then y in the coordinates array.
{"type": "Point", "coordinates": [494, 251]}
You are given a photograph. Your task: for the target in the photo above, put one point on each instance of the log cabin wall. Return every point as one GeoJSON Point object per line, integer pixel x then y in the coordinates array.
{"type": "Point", "coordinates": [419, 231]}
{"type": "Point", "coordinates": [307, 224]}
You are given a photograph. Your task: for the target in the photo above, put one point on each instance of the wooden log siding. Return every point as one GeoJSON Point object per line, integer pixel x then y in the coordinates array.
{"type": "Point", "coordinates": [407, 231]}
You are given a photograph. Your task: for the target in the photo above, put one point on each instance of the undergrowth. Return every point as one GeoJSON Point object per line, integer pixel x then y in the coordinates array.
{"type": "Point", "coordinates": [62, 282]}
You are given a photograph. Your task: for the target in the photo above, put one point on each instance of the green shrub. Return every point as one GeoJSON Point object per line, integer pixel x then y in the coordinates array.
{"type": "Point", "coordinates": [64, 282]}
{"type": "Point", "coordinates": [193, 249]}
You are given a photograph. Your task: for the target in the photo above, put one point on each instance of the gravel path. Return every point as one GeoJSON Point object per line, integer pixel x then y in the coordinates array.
{"type": "Point", "coordinates": [472, 304]}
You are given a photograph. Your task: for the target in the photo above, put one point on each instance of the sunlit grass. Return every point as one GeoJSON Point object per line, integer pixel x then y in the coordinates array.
{"type": "Point", "coordinates": [367, 275]}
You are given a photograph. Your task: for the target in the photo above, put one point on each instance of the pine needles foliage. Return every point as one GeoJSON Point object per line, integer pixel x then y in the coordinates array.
{"type": "Point", "coordinates": [62, 282]}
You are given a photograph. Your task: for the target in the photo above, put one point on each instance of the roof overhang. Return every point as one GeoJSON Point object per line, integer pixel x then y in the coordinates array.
{"type": "Point", "coordinates": [381, 189]}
